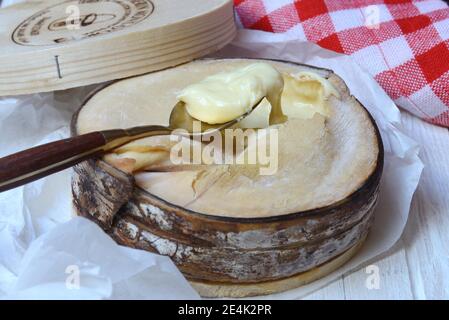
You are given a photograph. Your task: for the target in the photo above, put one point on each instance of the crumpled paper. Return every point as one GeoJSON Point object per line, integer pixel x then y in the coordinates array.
{"type": "Point", "coordinates": [47, 254]}
{"type": "Point", "coordinates": [5, 3]}
{"type": "Point", "coordinates": [94, 267]}
{"type": "Point", "coordinates": [43, 250]}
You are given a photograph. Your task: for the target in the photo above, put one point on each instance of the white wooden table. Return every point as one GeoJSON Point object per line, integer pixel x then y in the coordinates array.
{"type": "Point", "coordinates": [417, 267]}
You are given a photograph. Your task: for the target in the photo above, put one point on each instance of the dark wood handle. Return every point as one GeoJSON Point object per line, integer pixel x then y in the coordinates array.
{"type": "Point", "coordinates": [32, 164]}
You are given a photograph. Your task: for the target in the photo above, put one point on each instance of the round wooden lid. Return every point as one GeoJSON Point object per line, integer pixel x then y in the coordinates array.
{"type": "Point", "coordinates": [59, 44]}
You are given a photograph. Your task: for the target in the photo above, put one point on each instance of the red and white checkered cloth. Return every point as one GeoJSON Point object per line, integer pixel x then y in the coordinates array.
{"type": "Point", "coordinates": [404, 44]}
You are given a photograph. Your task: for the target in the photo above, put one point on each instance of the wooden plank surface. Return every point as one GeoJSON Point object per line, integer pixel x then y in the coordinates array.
{"type": "Point", "coordinates": [418, 265]}
{"type": "Point", "coordinates": [426, 235]}
{"type": "Point", "coordinates": [393, 283]}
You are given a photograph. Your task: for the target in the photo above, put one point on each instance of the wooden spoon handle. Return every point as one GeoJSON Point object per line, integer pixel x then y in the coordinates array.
{"type": "Point", "coordinates": [32, 164]}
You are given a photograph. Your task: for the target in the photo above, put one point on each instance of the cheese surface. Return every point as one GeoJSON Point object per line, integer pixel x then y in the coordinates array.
{"type": "Point", "coordinates": [327, 146]}
{"type": "Point", "coordinates": [294, 96]}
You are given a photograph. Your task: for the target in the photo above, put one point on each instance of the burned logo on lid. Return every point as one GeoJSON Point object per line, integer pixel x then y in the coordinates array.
{"type": "Point", "coordinates": [74, 20]}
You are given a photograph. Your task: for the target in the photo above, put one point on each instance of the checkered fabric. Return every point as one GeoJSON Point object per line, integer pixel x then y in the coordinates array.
{"type": "Point", "coordinates": [404, 44]}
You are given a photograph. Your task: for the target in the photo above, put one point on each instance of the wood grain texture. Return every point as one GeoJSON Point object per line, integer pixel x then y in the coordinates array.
{"type": "Point", "coordinates": [95, 192]}
{"type": "Point", "coordinates": [139, 37]}
{"type": "Point", "coordinates": [427, 232]}
{"type": "Point", "coordinates": [218, 290]}
{"type": "Point", "coordinates": [394, 281]}
{"type": "Point", "coordinates": [333, 291]}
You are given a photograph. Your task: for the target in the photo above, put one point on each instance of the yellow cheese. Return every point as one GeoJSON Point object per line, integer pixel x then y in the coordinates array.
{"type": "Point", "coordinates": [225, 96]}
{"type": "Point", "coordinates": [305, 94]}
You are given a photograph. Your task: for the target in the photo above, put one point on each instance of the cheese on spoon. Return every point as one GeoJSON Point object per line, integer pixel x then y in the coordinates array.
{"type": "Point", "coordinates": [225, 96]}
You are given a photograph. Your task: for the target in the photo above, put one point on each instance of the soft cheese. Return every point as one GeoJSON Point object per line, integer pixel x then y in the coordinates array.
{"type": "Point", "coordinates": [225, 96]}
{"type": "Point", "coordinates": [304, 95]}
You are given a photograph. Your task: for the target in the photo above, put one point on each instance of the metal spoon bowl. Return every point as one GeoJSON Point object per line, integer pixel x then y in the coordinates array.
{"type": "Point", "coordinates": [181, 119]}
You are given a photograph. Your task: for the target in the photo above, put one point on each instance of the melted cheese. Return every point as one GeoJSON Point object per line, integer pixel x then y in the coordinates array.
{"type": "Point", "coordinates": [304, 95]}
{"type": "Point", "coordinates": [225, 96]}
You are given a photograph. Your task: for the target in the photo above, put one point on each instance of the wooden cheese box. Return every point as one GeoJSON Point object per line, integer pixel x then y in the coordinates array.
{"type": "Point", "coordinates": [59, 44]}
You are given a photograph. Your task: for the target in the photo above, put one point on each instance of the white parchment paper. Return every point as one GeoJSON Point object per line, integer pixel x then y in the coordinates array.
{"type": "Point", "coordinates": [43, 249]}
{"type": "Point", "coordinates": [47, 254]}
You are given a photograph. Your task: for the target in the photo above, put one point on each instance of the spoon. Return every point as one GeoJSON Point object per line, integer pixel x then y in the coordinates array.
{"type": "Point", "coordinates": [35, 163]}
